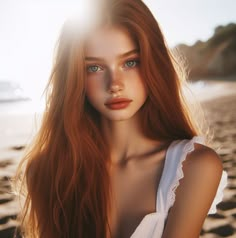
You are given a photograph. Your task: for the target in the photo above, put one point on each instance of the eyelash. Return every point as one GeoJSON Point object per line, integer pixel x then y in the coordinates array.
{"type": "Point", "coordinates": [133, 60]}
{"type": "Point", "coordinates": [136, 61]}
{"type": "Point", "coordinates": [90, 66]}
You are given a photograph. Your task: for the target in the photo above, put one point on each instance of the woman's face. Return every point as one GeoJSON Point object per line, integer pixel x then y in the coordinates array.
{"type": "Point", "coordinates": [114, 84]}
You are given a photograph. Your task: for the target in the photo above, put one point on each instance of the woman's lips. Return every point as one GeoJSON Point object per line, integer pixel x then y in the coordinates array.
{"type": "Point", "coordinates": [118, 103]}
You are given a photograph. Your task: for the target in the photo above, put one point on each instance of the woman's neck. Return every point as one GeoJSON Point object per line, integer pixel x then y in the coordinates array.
{"type": "Point", "coordinates": [126, 140]}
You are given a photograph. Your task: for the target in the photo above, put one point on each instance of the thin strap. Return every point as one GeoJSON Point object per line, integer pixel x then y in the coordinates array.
{"type": "Point", "coordinates": [166, 179]}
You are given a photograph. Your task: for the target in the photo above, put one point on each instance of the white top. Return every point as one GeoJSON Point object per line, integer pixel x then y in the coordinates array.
{"type": "Point", "coordinates": [152, 225]}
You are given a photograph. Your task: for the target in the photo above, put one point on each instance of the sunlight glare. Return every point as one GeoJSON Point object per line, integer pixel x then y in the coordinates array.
{"type": "Point", "coordinates": [81, 12]}
{"type": "Point", "coordinates": [35, 56]}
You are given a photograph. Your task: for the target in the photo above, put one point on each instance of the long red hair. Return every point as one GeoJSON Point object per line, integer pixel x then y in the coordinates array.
{"type": "Point", "coordinates": [65, 172]}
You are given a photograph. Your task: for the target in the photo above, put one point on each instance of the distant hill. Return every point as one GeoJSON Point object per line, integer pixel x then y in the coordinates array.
{"type": "Point", "coordinates": [214, 58]}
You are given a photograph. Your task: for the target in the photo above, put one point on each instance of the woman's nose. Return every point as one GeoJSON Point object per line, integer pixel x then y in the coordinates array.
{"type": "Point", "coordinates": [115, 82]}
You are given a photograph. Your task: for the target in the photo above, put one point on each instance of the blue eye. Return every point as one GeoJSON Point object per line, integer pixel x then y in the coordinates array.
{"type": "Point", "coordinates": [131, 63]}
{"type": "Point", "coordinates": [93, 68]}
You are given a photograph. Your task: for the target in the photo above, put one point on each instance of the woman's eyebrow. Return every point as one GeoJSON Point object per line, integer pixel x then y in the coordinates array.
{"type": "Point", "coordinates": [128, 53]}
{"type": "Point", "coordinates": [91, 58]}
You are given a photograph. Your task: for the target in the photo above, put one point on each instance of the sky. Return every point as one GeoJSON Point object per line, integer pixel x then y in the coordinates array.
{"type": "Point", "coordinates": [29, 29]}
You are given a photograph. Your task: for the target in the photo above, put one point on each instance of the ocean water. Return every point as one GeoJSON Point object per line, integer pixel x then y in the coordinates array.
{"type": "Point", "coordinates": [22, 107]}
{"type": "Point", "coordinates": [13, 99]}
{"type": "Point", "coordinates": [20, 115]}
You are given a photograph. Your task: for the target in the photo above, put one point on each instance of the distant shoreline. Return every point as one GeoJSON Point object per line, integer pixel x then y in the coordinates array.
{"type": "Point", "coordinates": [212, 89]}
{"type": "Point", "coordinates": [231, 78]}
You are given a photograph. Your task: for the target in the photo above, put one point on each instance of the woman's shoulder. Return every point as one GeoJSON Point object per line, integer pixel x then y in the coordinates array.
{"type": "Point", "coordinates": [203, 172]}
{"type": "Point", "coordinates": [205, 160]}
{"type": "Point", "coordinates": [196, 192]}
{"type": "Point", "coordinates": [202, 168]}
{"type": "Point", "coordinates": [194, 155]}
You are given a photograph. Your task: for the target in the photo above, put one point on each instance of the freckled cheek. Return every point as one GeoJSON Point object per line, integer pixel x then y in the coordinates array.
{"type": "Point", "coordinates": [137, 84]}
{"type": "Point", "coordinates": [94, 85]}
{"type": "Point", "coordinates": [94, 91]}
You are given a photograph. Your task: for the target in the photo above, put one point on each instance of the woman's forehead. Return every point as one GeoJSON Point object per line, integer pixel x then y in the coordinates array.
{"type": "Point", "coordinates": [111, 39]}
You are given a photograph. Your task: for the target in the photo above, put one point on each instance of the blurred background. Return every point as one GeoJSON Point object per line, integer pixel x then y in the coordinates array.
{"type": "Point", "coordinates": [203, 32]}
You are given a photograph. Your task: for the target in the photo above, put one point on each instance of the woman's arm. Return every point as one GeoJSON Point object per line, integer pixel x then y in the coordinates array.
{"type": "Point", "coordinates": [195, 194]}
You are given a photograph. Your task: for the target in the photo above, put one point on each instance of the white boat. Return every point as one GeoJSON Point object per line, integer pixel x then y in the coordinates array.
{"type": "Point", "coordinates": [11, 92]}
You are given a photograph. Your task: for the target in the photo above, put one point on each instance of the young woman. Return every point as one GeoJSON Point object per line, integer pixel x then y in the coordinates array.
{"type": "Point", "coordinates": [118, 154]}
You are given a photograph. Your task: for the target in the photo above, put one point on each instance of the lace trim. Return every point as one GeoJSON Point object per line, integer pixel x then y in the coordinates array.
{"type": "Point", "coordinates": [219, 194]}
{"type": "Point", "coordinates": [189, 147]}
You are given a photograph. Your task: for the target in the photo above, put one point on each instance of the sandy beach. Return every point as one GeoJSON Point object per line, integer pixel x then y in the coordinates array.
{"type": "Point", "coordinates": [218, 100]}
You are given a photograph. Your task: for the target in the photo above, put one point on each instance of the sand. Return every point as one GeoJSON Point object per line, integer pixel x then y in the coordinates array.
{"type": "Point", "coordinates": [221, 114]}
{"type": "Point", "coordinates": [218, 100]}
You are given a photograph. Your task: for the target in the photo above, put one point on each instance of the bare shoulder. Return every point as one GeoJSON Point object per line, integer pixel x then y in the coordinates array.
{"type": "Point", "coordinates": [202, 173]}
{"type": "Point", "coordinates": [203, 159]}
